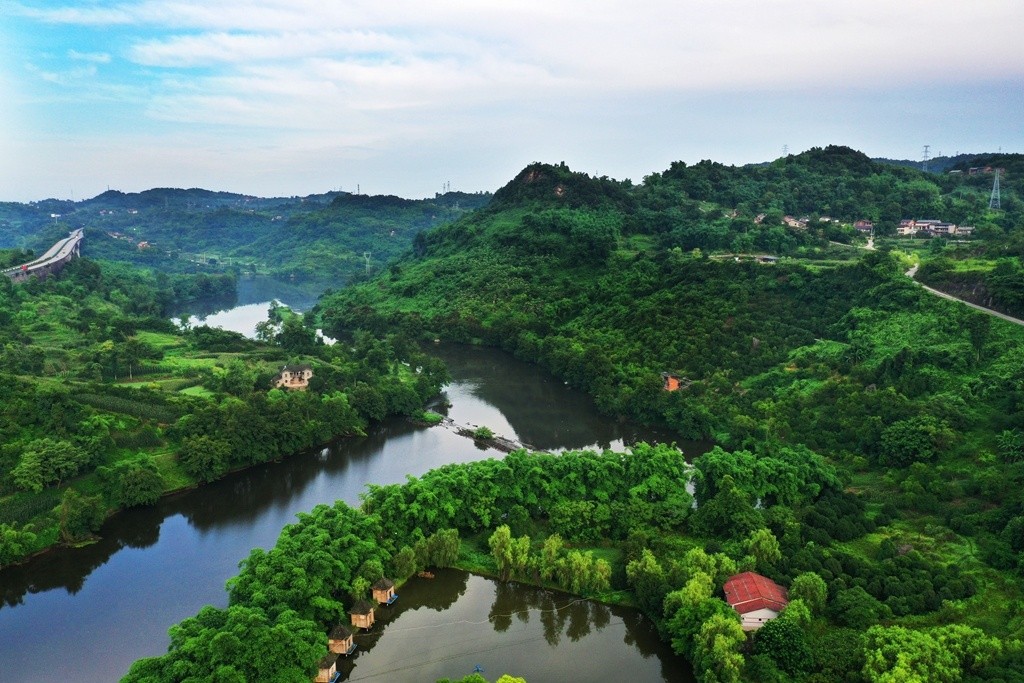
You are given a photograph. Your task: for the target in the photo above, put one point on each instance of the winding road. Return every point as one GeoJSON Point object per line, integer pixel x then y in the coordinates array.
{"type": "Point", "coordinates": [870, 246]}
{"type": "Point", "coordinates": [913, 271]}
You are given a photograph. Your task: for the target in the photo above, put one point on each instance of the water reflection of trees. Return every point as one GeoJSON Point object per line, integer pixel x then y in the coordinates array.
{"type": "Point", "coordinates": [558, 619]}
{"type": "Point", "coordinates": [65, 568]}
{"type": "Point", "coordinates": [559, 614]}
{"type": "Point", "coordinates": [255, 490]}
{"type": "Point", "coordinates": [544, 412]}
{"type": "Point", "coordinates": [250, 494]}
{"type": "Point", "coordinates": [437, 594]}
{"type": "Point", "coordinates": [525, 395]}
{"type": "Point", "coordinates": [68, 568]}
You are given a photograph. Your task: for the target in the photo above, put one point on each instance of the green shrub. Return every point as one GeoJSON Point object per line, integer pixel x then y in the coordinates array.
{"type": "Point", "coordinates": [23, 507]}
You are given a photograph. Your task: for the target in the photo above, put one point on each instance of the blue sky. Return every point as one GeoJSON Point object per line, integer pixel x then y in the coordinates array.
{"type": "Point", "coordinates": [283, 97]}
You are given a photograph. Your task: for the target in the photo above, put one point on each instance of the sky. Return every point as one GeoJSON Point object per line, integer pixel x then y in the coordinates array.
{"type": "Point", "coordinates": [292, 97]}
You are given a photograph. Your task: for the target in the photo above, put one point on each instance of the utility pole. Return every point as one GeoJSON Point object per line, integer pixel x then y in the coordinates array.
{"type": "Point", "coordinates": [993, 202]}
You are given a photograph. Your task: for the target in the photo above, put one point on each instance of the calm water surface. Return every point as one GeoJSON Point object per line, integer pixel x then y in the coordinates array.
{"type": "Point", "coordinates": [255, 292]}
{"type": "Point", "coordinates": [88, 613]}
{"type": "Point", "coordinates": [446, 626]}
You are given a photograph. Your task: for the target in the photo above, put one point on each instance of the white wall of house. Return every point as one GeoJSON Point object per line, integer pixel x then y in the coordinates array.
{"type": "Point", "coordinates": [756, 619]}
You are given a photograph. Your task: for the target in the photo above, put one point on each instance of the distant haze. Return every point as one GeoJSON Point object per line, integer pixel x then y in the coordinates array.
{"type": "Point", "coordinates": [284, 97]}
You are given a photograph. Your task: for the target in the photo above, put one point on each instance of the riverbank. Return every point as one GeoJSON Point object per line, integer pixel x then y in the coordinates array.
{"type": "Point", "coordinates": [131, 585]}
{"type": "Point", "coordinates": [135, 444]}
{"type": "Point", "coordinates": [341, 551]}
{"type": "Point", "coordinates": [176, 479]}
{"type": "Point", "coordinates": [542, 635]}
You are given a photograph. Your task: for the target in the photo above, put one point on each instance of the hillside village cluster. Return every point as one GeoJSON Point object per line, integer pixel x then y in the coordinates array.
{"type": "Point", "coordinates": [933, 228]}
{"type": "Point", "coordinates": [908, 227]}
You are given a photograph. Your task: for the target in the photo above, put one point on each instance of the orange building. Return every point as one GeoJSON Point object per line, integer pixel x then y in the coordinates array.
{"type": "Point", "coordinates": [756, 598]}
{"type": "Point", "coordinates": [340, 641]}
{"type": "Point", "coordinates": [328, 670]}
{"type": "Point", "coordinates": [671, 381]}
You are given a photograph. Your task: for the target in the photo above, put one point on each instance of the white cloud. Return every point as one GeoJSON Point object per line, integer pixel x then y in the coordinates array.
{"type": "Point", "coordinates": [82, 16]}
{"type": "Point", "coordinates": [65, 77]}
{"type": "Point", "coordinates": [213, 48]}
{"type": "Point", "coordinates": [384, 76]}
{"type": "Point", "coordinates": [95, 57]}
{"type": "Point", "coordinates": [617, 43]}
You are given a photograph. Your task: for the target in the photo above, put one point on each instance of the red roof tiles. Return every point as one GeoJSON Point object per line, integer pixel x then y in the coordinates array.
{"type": "Point", "coordinates": [748, 592]}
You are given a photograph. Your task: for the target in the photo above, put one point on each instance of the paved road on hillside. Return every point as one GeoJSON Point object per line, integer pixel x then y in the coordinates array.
{"type": "Point", "coordinates": [913, 271]}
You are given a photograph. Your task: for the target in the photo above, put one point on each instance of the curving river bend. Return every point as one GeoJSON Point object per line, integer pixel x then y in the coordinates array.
{"type": "Point", "coordinates": [86, 614]}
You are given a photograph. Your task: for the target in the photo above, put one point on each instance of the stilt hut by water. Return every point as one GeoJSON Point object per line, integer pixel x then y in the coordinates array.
{"type": "Point", "coordinates": [362, 614]}
{"type": "Point", "coordinates": [384, 591]}
{"type": "Point", "coordinates": [340, 640]}
{"type": "Point", "coordinates": [328, 672]}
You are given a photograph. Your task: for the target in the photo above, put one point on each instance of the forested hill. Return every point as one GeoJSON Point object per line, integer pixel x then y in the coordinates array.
{"type": "Point", "coordinates": [845, 184]}
{"type": "Point", "coordinates": [916, 401]}
{"type": "Point", "coordinates": [316, 237]}
{"type": "Point", "coordinates": [609, 284]}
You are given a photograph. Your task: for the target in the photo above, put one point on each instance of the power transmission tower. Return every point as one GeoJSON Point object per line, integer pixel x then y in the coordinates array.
{"type": "Point", "coordinates": [924, 159]}
{"type": "Point", "coordinates": [993, 202]}
{"type": "Point", "coordinates": [785, 150]}
{"type": "Point", "coordinates": [366, 255]}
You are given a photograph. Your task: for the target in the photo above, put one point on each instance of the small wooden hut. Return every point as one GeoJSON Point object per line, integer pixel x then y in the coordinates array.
{"type": "Point", "coordinates": [362, 614]}
{"type": "Point", "coordinates": [384, 591]}
{"type": "Point", "coordinates": [340, 641]}
{"type": "Point", "coordinates": [328, 671]}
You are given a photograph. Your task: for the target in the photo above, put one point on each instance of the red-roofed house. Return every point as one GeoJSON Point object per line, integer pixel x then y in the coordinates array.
{"type": "Point", "coordinates": [757, 598]}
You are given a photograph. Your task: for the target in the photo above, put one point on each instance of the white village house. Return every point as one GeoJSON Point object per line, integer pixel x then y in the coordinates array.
{"type": "Point", "coordinates": [294, 377]}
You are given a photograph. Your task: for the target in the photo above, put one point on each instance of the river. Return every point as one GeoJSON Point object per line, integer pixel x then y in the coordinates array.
{"type": "Point", "coordinates": [87, 613]}
{"type": "Point", "coordinates": [255, 292]}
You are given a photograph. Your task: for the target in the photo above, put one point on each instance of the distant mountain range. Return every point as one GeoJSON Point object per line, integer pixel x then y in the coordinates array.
{"type": "Point", "coordinates": [326, 237]}
{"type": "Point", "coordinates": [331, 236]}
